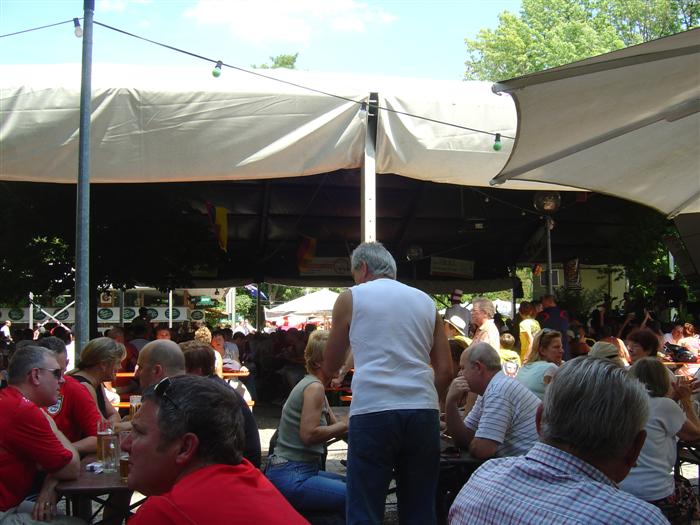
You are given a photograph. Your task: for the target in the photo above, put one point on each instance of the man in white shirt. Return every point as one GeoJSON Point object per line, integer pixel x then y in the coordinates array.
{"type": "Point", "coordinates": [502, 421]}
{"type": "Point", "coordinates": [402, 369]}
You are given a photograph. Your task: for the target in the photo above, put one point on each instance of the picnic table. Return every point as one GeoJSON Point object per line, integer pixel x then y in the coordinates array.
{"type": "Point", "coordinates": [93, 487]}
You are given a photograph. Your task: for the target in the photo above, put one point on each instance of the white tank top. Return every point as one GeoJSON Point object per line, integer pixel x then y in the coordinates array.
{"type": "Point", "coordinates": [391, 334]}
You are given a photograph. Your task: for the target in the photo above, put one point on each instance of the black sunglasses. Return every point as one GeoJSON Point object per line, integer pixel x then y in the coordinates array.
{"type": "Point", "coordinates": [57, 372]}
{"type": "Point", "coordinates": [161, 391]}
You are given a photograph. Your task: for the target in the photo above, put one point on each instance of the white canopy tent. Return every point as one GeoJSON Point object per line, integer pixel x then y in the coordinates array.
{"type": "Point", "coordinates": [172, 124]}
{"type": "Point", "coordinates": [626, 123]}
{"type": "Point", "coordinates": [315, 304]}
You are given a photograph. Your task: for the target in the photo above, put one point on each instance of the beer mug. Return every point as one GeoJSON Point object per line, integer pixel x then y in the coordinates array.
{"type": "Point", "coordinates": [107, 446]}
{"type": "Point", "coordinates": [134, 405]}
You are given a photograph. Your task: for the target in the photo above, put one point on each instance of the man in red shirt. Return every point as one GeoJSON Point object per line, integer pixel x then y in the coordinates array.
{"type": "Point", "coordinates": [29, 439]}
{"type": "Point", "coordinates": [75, 411]}
{"type": "Point", "coordinates": [185, 453]}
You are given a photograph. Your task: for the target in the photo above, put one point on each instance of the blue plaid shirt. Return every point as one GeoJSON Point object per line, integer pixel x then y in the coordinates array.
{"type": "Point", "coordinates": [547, 486]}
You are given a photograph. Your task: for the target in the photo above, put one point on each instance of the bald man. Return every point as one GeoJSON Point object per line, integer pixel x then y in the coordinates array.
{"type": "Point", "coordinates": [159, 359]}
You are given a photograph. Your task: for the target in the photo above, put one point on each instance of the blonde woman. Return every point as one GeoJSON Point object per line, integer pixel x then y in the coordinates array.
{"type": "Point", "coordinates": [542, 362]}
{"type": "Point", "coordinates": [99, 362]}
{"type": "Point", "coordinates": [307, 422]}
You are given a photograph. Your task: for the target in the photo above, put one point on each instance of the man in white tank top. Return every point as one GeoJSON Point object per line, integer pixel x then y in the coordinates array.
{"type": "Point", "coordinates": [402, 370]}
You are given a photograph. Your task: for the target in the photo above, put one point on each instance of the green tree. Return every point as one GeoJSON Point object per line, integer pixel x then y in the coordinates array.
{"type": "Point", "coordinates": [550, 33]}
{"type": "Point", "coordinates": [280, 61]}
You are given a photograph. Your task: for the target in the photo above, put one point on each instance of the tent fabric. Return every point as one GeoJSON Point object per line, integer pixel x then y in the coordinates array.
{"type": "Point", "coordinates": [178, 124]}
{"type": "Point", "coordinates": [626, 123]}
{"type": "Point", "coordinates": [317, 303]}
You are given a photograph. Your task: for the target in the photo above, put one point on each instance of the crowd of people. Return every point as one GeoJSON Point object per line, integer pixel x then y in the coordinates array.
{"type": "Point", "coordinates": [575, 420]}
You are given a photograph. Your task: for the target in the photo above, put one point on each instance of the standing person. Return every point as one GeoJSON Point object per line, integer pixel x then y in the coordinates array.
{"type": "Point", "coordinates": [29, 439]}
{"type": "Point", "coordinates": [527, 328]}
{"type": "Point", "coordinates": [186, 455]}
{"type": "Point", "coordinates": [555, 318]}
{"type": "Point", "coordinates": [6, 331]}
{"type": "Point", "coordinates": [457, 309]}
{"type": "Point", "coordinates": [486, 329]}
{"type": "Point", "coordinates": [396, 335]}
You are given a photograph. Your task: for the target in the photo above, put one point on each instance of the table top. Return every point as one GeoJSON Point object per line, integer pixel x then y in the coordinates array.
{"type": "Point", "coordinates": [453, 455]}
{"type": "Point", "coordinates": [91, 482]}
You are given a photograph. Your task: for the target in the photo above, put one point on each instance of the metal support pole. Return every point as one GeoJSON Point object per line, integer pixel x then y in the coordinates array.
{"type": "Point", "coordinates": [368, 187]}
{"type": "Point", "coordinates": [259, 315]}
{"type": "Point", "coordinates": [121, 307]}
{"type": "Point", "coordinates": [82, 222]}
{"type": "Point", "coordinates": [170, 308]}
{"type": "Point", "coordinates": [31, 311]}
{"type": "Point", "coordinates": [550, 286]}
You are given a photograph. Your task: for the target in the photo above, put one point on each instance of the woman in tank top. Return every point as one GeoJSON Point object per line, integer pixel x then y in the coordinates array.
{"type": "Point", "coordinates": [99, 362]}
{"type": "Point", "coordinates": [307, 422]}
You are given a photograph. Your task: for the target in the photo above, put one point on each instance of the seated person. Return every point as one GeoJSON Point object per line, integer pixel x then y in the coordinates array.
{"type": "Point", "coordinates": [607, 350]}
{"type": "Point", "coordinates": [502, 422]}
{"type": "Point", "coordinates": [591, 430]}
{"type": "Point", "coordinates": [199, 361]}
{"type": "Point", "coordinates": [642, 343]}
{"type": "Point", "coordinates": [510, 360]}
{"type": "Point", "coordinates": [30, 440]}
{"type": "Point", "coordinates": [75, 412]}
{"type": "Point", "coordinates": [542, 362]}
{"type": "Point", "coordinates": [99, 362]}
{"type": "Point", "coordinates": [651, 478]}
{"type": "Point", "coordinates": [307, 422]}
{"type": "Point", "coordinates": [186, 455]}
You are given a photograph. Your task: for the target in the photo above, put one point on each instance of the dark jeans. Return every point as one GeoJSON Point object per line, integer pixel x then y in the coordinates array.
{"type": "Point", "coordinates": [400, 443]}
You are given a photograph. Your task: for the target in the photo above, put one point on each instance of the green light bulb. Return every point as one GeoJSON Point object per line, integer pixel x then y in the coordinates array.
{"type": "Point", "coordinates": [216, 72]}
{"type": "Point", "coordinates": [497, 143]}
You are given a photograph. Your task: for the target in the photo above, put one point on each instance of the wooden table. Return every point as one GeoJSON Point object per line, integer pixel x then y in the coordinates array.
{"type": "Point", "coordinates": [89, 487]}
{"type": "Point", "coordinates": [237, 373]}
{"type": "Point", "coordinates": [456, 466]}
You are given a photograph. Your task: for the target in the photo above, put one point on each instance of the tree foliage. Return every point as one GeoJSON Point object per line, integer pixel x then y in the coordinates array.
{"type": "Point", "coordinates": [280, 61]}
{"type": "Point", "coordinates": [550, 33]}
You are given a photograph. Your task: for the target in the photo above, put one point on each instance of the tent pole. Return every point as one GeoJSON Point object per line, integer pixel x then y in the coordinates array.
{"type": "Point", "coordinates": [82, 223]}
{"type": "Point", "coordinates": [368, 187]}
{"type": "Point", "coordinates": [170, 308]}
{"type": "Point", "coordinates": [549, 226]}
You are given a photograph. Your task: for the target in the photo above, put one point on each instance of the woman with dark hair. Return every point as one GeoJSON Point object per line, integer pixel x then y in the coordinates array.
{"type": "Point", "coordinates": [642, 343]}
{"type": "Point", "coordinates": [651, 479]}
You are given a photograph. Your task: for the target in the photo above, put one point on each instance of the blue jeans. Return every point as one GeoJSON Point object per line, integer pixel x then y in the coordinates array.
{"type": "Point", "coordinates": [307, 487]}
{"type": "Point", "coordinates": [381, 445]}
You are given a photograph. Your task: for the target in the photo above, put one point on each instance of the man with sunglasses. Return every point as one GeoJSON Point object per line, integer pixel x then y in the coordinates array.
{"type": "Point", "coordinates": [186, 455]}
{"type": "Point", "coordinates": [29, 439]}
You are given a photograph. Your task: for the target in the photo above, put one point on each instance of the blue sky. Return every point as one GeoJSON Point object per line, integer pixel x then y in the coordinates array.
{"type": "Point", "coordinates": [412, 38]}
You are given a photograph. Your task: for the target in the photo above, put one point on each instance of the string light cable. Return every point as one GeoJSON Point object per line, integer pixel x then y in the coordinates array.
{"type": "Point", "coordinates": [70, 21]}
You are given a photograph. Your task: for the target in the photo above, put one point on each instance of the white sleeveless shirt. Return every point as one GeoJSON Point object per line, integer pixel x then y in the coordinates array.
{"type": "Point", "coordinates": [391, 335]}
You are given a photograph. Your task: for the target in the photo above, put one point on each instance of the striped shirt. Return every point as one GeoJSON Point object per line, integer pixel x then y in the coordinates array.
{"type": "Point", "coordinates": [505, 414]}
{"type": "Point", "coordinates": [547, 486]}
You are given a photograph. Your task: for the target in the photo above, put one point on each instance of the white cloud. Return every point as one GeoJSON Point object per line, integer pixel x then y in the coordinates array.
{"type": "Point", "coordinates": [296, 21]}
{"type": "Point", "coordinates": [118, 6]}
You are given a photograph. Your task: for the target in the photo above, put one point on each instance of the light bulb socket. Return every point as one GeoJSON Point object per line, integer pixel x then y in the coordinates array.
{"type": "Point", "coordinates": [78, 31]}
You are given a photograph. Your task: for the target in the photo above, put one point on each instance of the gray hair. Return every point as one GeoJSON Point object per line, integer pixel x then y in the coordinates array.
{"type": "Point", "coordinates": [206, 407]}
{"type": "Point", "coordinates": [485, 305]}
{"type": "Point", "coordinates": [55, 344]}
{"type": "Point", "coordinates": [595, 407]}
{"type": "Point", "coordinates": [165, 353]}
{"type": "Point", "coordinates": [23, 360]}
{"type": "Point", "coordinates": [379, 261]}
{"type": "Point", "coordinates": [485, 354]}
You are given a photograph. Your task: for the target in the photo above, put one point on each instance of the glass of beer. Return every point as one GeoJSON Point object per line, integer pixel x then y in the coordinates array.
{"type": "Point", "coordinates": [134, 405]}
{"type": "Point", "coordinates": [124, 466]}
{"type": "Point", "coordinates": [104, 428]}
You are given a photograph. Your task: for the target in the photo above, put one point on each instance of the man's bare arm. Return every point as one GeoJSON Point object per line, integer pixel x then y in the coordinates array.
{"type": "Point", "coordinates": [440, 359]}
{"type": "Point", "coordinates": [339, 339]}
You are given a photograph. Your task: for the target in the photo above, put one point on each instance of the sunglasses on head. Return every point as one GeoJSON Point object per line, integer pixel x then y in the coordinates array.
{"type": "Point", "coordinates": [57, 372]}
{"type": "Point", "coordinates": [161, 391]}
